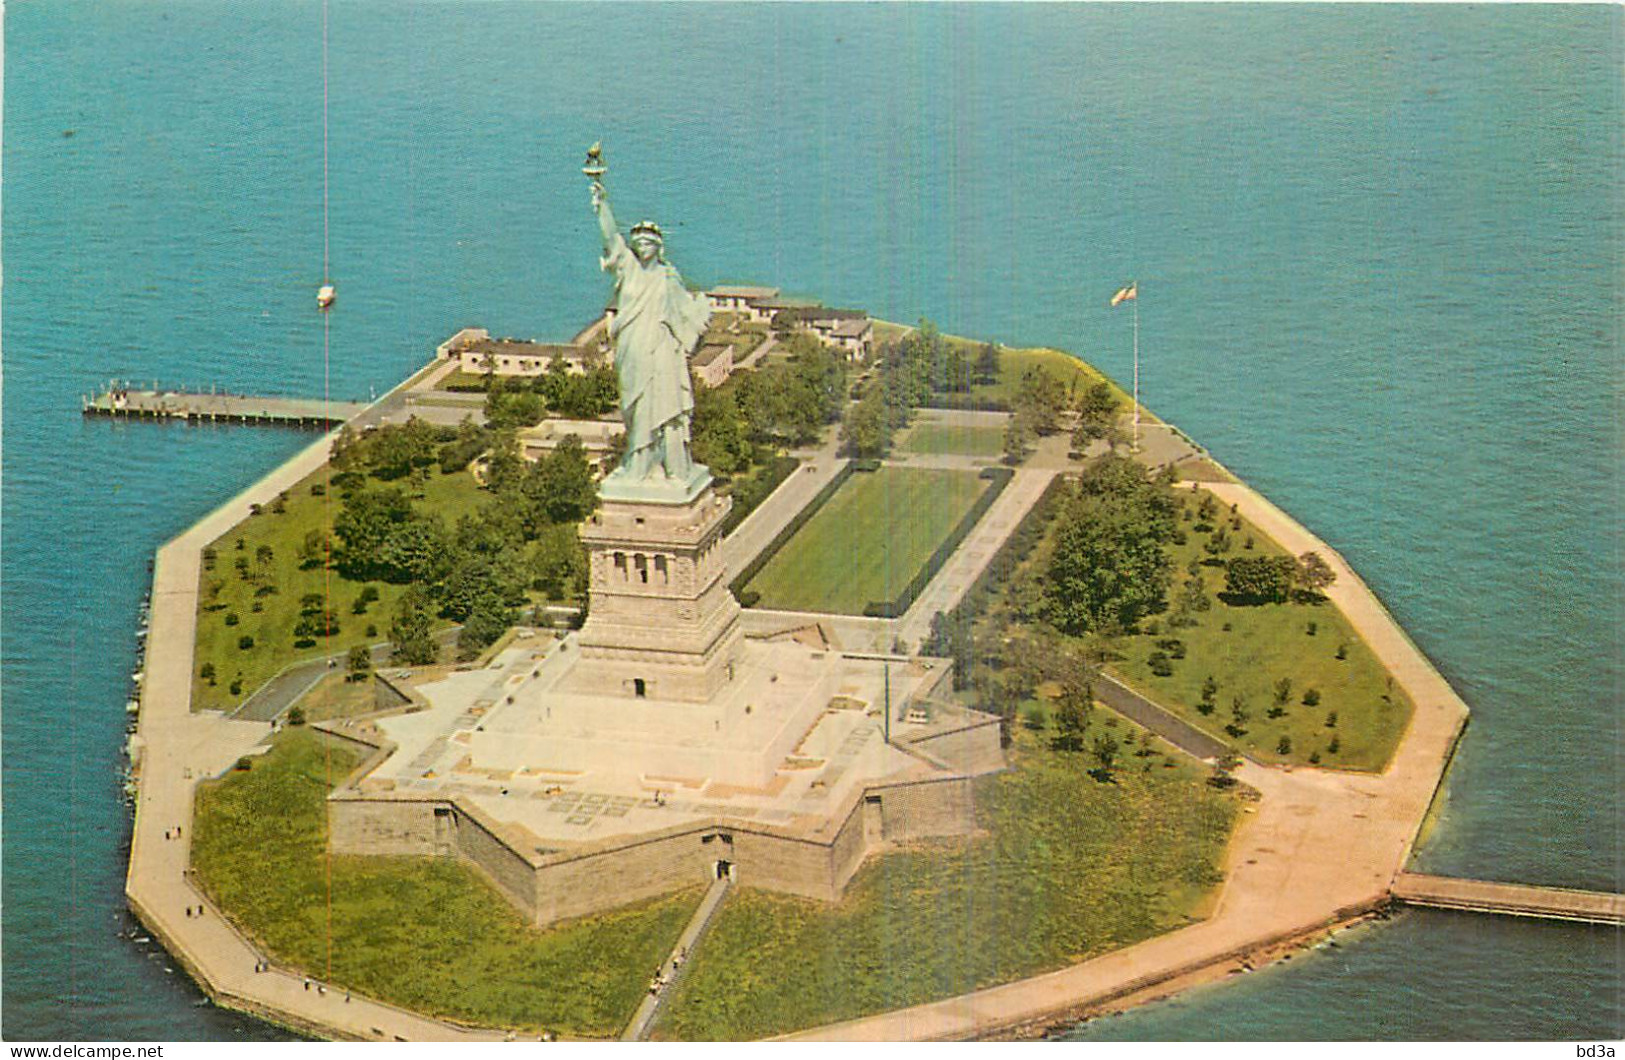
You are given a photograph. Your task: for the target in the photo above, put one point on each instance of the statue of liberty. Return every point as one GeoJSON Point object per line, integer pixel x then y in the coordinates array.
{"type": "Point", "coordinates": [656, 325]}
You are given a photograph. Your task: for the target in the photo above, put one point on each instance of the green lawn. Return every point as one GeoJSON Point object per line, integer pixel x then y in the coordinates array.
{"type": "Point", "coordinates": [868, 541]}
{"type": "Point", "coordinates": [272, 627]}
{"type": "Point", "coordinates": [1072, 868]}
{"type": "Point", "coordinates": [935, 439]}
{"type": "Point", "coordinates": [1013, 363]}
{"type": "Point", "coordinates": [1264, 644]}
{"type": "Point", "coordinates": [425, 933]}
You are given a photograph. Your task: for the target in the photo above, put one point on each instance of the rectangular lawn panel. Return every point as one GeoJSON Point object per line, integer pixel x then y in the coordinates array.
{"type": "Point", "coordinates": [426, 933]}
{"type": "Point", "coordinates": [1070, 868]}
{"type": "Point", "coordinates": [934, 439]}
{"type": "Point", "coordinates": [868, 542]}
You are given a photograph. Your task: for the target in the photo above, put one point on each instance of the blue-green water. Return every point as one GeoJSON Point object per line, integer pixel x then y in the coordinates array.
{"type": "Point", "coordinates": [1380, 256]}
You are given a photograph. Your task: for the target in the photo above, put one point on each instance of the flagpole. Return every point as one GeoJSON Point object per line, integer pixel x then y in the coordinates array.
{"type": "Point", "coordinates": [1136, 300]}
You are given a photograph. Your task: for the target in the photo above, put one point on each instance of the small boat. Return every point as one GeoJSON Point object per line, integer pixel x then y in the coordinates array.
{"type": "Point", "coordinates": [325, 296]}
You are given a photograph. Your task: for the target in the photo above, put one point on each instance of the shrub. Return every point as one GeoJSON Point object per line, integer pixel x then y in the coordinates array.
{"type": "Point", "coordinates": [1335, 746]}
{"type": "Point", "coordinates": [1159, 664]}
{"type": "Point", "coordinates": [245, 642]}
{"type": "Point", "coordinates": [232, 618]}
{"type": "Point", "coordinates": [296, 716]}
{"type": "Point", "coordinates": [372, 631]}
{"type": "Point", "coordinates": [1311, 629]}
{"type": "Point", "coordinates": [1314, 758]}
{"type": "Point", "coordinates": [1342, 651]}
{"type": "Point", "coordinates": [244, 764]}
{"type": "Point", "coordinates": [237, 686]}
{"type": "Point", "coordinates": [1311, 697]}
{"type": "Point", "coordinates": [1283, 690]}
{"type": "Point", "coordinates": [317, 489]}
{"type": "Point", "coordinates": [1275, 712]}
{"type": "Point", "coordinates": [207, 672]}
{"type": "Point", "coordinates": [1331, 720]}
{"type": "Point", "coordinates": [1283, 746]}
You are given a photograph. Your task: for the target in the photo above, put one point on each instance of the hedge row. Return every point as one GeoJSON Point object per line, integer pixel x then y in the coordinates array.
{"type": "Point", "coordinates": [743, 578]}
{"type": "Point", "coordinates": [999, 477]}
{"type": "Point", "coordinates": [964, 402]}
{"type": "Point", "coordinates": [1016, 548]}
{"type": "Point", "coordinates": [753, 492]}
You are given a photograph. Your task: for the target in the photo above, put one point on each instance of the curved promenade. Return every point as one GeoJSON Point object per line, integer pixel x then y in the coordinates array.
{"type": "Point", "coordinates": [1321, 848]}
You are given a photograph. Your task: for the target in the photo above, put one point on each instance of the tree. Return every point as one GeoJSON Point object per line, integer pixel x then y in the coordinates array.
{"type": "Point", "coordinates": [1224, 768]}
{"type": "Point", "coordinates": [1314, 575]}
{"type": "Point", "coordinates": [1041, 398]}
{"type": "Point", "coordinates": [718, 428]}
{"type": "Point", "coordinates": [987, 363]}
{"type": "Point", "coordinates": [1218, 544]}
{"type": "Point", "coordinates": [368, 595]}
{"type": "Point", "coordinates": [1283, 690]}
{"type": "Point", "coordinates": [313, 551]}
{"type": "Point", "coordinates": [409, 633]}
{"type": "Point", "coordinates": [1097, 414]}
{"type": "Point", "coordinates": [360, 663]}
{"type": "Point", "coordinates": [206, 672]}
{"type": "Point", "coordinates": [866, 432]}
{"type": "Point", "coordinates": [487, 620]}
{"type": "Point", "coordinates": [1070, 725]}
{"type": "Point", "coordinates": [1111, 565]}
{"type": "Point", "coordinates": [1259, 579]}
{"type": "Point", "coordinates": [560, 485]}
{"type": "Point", "coordinates": [362, 527]}
{"type": "Point", "coordinates": [1075, 703]}
{"type": "Point", "coordinates": [323, 622]}
{"type": "Point", "coordinates": [1016, 435]}
{"type": "Point", "coordinates": [1105, 750]}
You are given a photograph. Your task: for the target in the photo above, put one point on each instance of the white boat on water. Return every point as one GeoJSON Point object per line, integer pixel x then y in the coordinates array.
{"type": "Point", "coordinates": [325, 296]}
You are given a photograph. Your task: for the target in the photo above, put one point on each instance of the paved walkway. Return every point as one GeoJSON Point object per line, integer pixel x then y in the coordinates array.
{"type": "Point", "coordinates": [818, 467]}
{"type": "Point", "coordinates": [965, 565]}
{"type": "Point", "coordinates": [676, 962]}
{"type": "Point", "coordinates": [1318, 847]}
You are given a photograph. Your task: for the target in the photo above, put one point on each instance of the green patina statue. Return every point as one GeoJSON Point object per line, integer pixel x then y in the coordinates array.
{"type": "Point", "coordinates": [657, 324]}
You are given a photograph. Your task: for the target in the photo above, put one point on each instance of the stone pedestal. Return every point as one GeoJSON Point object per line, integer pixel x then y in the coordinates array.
{"type": "Point", "coordinates": [661, 623]}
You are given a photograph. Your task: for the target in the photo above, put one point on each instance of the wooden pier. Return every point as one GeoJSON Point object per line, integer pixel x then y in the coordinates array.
{"type": "Point", "coordinates": [201, 407]}
{"type": "Point", "coordinates": [1509, 899]}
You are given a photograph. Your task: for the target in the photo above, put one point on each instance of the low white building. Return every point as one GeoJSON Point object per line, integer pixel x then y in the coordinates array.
{"type": "Point", "coordinates": [742, 300]}
{"type": "Point", "coordinates": [477, 352]}
{"type": "Point", "coordinates": [597, 436]}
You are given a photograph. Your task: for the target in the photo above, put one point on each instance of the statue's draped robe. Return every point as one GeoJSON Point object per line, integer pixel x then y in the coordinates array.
{"type": "Point", "coordinates": [657, 323]}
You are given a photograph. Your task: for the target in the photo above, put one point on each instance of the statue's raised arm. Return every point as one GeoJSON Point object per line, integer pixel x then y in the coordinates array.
{"type": "Point", "coordinates": [656, 324]}
{"type": "Point", "coordinates": [606, 218]}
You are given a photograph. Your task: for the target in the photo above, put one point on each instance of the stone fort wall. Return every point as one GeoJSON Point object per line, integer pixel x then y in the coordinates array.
{"type": "Point", "coordinates": [550, 884]}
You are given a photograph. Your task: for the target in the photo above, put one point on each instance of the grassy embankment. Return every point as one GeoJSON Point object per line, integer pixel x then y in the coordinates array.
{"type": "Point", "coordinates": [425, 933]}
{"type": "Point", "coordinates": [278, 586]}
{"type": "Point", "coordinates": [1263, 644]}
{"type": "Point", "coordinates": [868, 541]}
{"type": "Point", "coordinates": [1072, 868]}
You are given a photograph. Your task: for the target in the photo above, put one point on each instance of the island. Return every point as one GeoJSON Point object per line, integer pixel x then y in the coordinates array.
{"type": "Point", "coordinates": [746, 667]}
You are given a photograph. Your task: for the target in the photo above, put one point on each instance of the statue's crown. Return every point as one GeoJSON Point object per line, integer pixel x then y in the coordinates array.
{"type": "Point", "coordinates": [648, 228]}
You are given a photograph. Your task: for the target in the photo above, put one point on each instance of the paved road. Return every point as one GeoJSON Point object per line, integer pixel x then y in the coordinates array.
{"type": "Point", "coordinates": [1317, 846]}
{"type": "Point", "coordinates": [282, 691]}
{"type": "Point", "coordinates": [1159, 719]}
